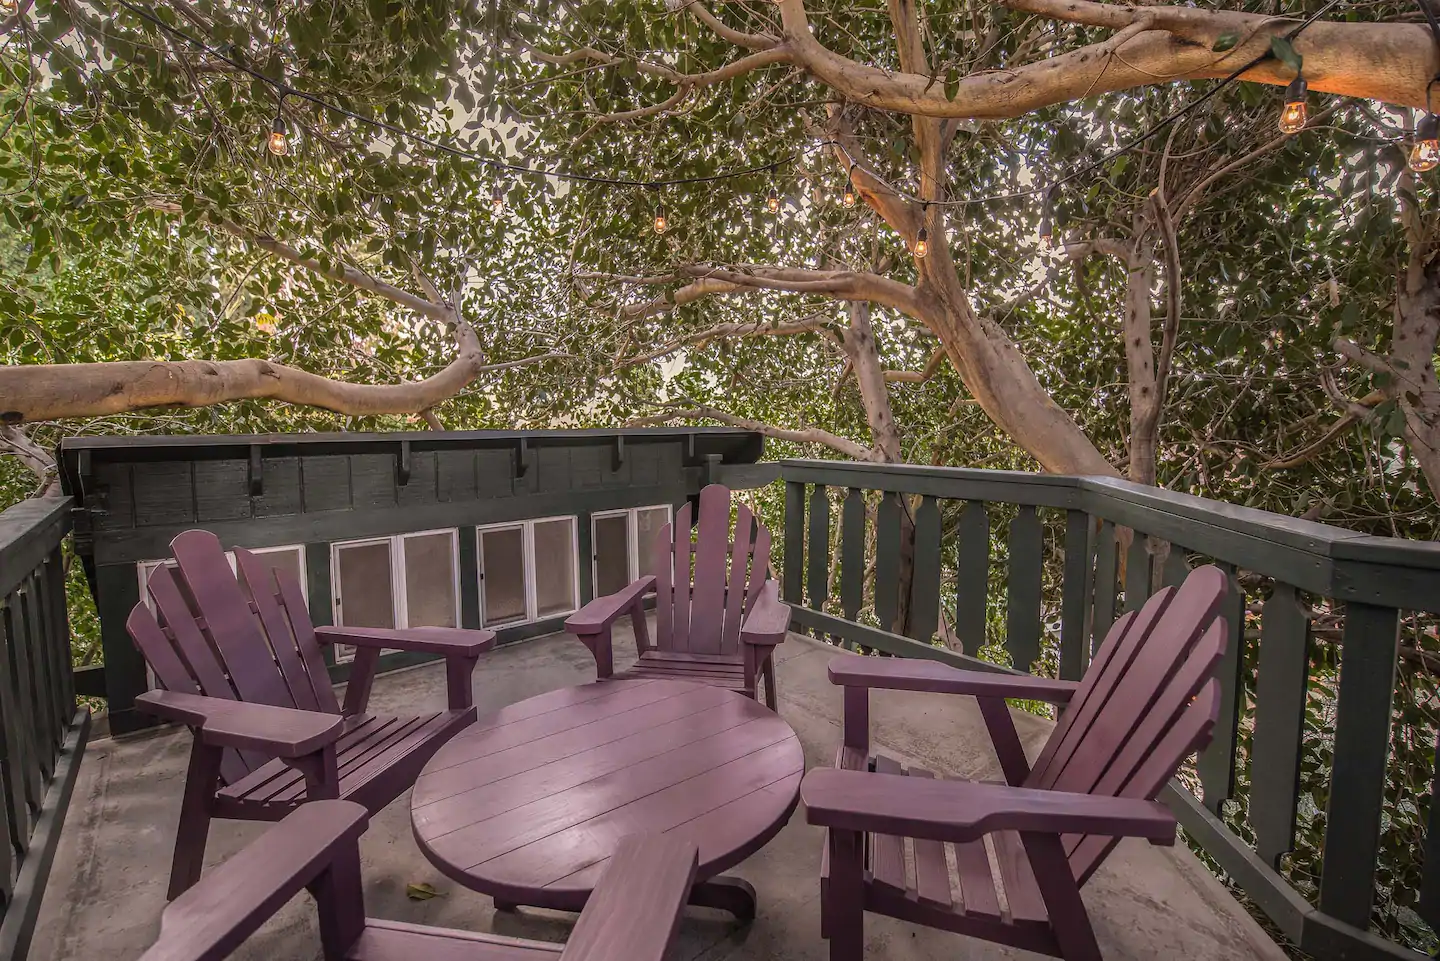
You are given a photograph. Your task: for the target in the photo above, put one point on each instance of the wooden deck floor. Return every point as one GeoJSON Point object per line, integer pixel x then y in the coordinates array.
{"type": "Point", "coordinates": [108, 883]}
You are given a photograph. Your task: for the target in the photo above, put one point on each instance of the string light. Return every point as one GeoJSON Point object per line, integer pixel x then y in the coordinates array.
{"type": "Point", "coordinates": [922, 244]}
{"type": "Point", "coordinates": [1425, 155]}
{"type": "Point", "coordinates": [662, 224]}
{"type": "Point", "coordinates": [847, 199]}
{"type": "Point", "coordinates": [1293, 115]}
{"type": "Point", "coordinates": [772, 202]}
{"type": "Point", "coordinates": [278, 144]}
{"type": "Point", "coordinates": [497, 197]}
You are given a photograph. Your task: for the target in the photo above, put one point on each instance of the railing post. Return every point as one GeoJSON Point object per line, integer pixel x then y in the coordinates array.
{"type": "Point", "coordinates": [1279, 722]}
{"type": "Point", "coordinates": [791, 578]}
{"type": "Point", "coordinates": [887, 560]}
{"type": "Point", "coordinates": [972, 576]}
{"type": "Point", "coordinates": [818, 569]}
{"type": "Point", "coordinates": [1216, 764]}
{"type": "Point", "coordinates": [852, 555]}
{"type": "Point", "coordinates": [1369, 649]}
{"type": "Point", "coordinates": [1075, 596]}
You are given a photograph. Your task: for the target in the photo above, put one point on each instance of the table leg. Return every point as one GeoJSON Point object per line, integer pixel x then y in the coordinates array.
{"type": "Point", "coordinates": [508, 906]}
{"type": "Point", "coordinates": [726, 893]}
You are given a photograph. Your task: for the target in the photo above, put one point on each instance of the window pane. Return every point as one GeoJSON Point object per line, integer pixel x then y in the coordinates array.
{"type": "Point", "coordinates": [555, 567]}
{"type": "Point", "coordinates": [502, 573]}
{"type": "Point", "coordinates": [365, 586]}
{"type": "Point", "coordinates": [286, 561]}
{"type": "Point", "coordinates": [430, 580]}
{"type": "Point", "coordinates": [648, 523]}
{"type": "Point", "coordinates": [612, 554]}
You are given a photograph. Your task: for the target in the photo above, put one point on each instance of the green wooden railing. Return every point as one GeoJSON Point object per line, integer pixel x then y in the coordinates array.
{"type": "Point", "coordinates": [1070, 533]}
{"type": "Point", "coordinates": [42, 734]}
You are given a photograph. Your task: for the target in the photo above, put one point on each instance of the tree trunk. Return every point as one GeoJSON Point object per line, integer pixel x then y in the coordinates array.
{"type": "Point", "coordinates": [1412, 354]}
{"type": "Point", "coordinates": [1145, 399]}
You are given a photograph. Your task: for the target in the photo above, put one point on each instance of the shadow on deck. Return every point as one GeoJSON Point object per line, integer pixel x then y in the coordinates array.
{"type": "Point", "coordinates": [108, 885]}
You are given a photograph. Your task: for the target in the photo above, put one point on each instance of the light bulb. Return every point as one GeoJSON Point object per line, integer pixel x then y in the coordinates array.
{"type": "Point", "coordinates": [922, 243]}
{"type": "Point", "coordinates": [772, 202]}
{"type": "Point", "coordinates": [1293, 114]}
{"type": "Point", "coordinates": [1047, 221]}
{"type": "Point", "coordinates": [497, 197]}
{"type": "Point", "coordinates": [848, 198]}
{"type": "Point", "coordinates": [1425, 155]}
{"type": "Point", "coordinates": [661, 224]}
{"type": "Point", "coordinates": [278, 143]}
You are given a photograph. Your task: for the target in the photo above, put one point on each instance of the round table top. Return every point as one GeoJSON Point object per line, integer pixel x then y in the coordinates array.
{"type": "Point", "coordinates": [527, 804]}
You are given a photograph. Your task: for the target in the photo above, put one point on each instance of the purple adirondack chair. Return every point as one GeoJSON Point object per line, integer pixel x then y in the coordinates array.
{"type": "Point", "coordinates": [722, 628]}
{"type": "Point", "coordinates": [631, 916]}
{"type": "Point", "coordinates": [1147, 702]}
{"type": "Point", "coordinates": [239, 663]}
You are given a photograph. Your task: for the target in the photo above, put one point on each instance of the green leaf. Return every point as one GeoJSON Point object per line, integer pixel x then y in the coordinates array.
{"type": "Point", "coordinates": [1226, 41]}
{"type": "Point", "coordinates": [1284, 51]}
{"type": "Point", "coordinates": [421, 891]}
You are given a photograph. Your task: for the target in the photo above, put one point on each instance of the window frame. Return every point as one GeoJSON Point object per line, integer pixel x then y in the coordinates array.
{"type": "Point", "coordinates": [143, 569]}
{"type": "Point", "coordinates": [527, 565]}
{"type": "Point", "coordinates": [399, 601]}
{"type": "Point", "coordinates": [632, 539]}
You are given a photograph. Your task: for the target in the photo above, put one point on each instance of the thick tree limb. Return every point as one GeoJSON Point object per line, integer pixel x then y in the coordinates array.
{"type": "Point", "coordinates": [1390, 62]}
{"type": "Point", "coordinates": [932, 365]}
{"type": "Point", "coordinates": [53, 391]}
{"type": "Point", "coordinates": [804, 435]}
{"type": "Point", "coordinates": [841, 284]}
{"type": "Point", "coordinates": [1311, 450]}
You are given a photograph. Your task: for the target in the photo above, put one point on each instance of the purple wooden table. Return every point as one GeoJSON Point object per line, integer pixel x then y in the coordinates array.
{"type": "Point", "coordinates": [528, 804]}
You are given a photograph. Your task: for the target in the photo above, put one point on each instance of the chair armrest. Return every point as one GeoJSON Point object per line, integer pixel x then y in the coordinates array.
{"type": "Point", "coordinates": [965, 810]}
{"type": "Point", "coordinates": [603, 612]}
{"type": "Point", "coordinates": [768, 620]}
{"type": "Point", "coordinates": [234, 899]}
{"type": "Point", "coordinates": [913, 674]}
{"type": "Point", "coordinates": [635, 908]}
{"type": "Point", "coordinates": [425, 640]}
{"type": "Point", "coordinates": [273, 731]}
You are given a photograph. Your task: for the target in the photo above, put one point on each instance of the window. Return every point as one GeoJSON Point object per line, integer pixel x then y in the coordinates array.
{"type": "Point", "coordinates": [624, 544]}
{"type": "Point", "coordinates": [409, 580]}
{"type": "Point", "coordinates": [528, 571]}
{"type": "Point", "coordinates": [290, 558]}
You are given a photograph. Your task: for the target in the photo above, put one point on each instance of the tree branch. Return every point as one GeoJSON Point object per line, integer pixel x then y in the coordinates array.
{"type": "Point", "coordinates": [36, 459]}
{"type": "Point", "coordinates": [703, 337]}
{"type": "Point", "coordinates": [806, 435]}
{"type": "Point", "coordinates": [841, 284]}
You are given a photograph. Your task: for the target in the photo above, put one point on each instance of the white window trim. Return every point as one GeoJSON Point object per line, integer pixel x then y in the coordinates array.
{"type": "Point", "coordinates": [632, 538]}
{"type": "Point", "coordinates": [399, 602]}
{"type": "Point", "coordinates": [527, 565]}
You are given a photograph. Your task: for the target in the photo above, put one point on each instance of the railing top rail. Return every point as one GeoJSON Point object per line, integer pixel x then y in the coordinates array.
{"type": "Point", "coordinates": [29, 531]}
{"type": "Point", "coordinates": [961, 483]}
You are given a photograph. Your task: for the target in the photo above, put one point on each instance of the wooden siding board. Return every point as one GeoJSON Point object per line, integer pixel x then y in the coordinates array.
{"type": "Point", "coordinates": [222, 490]}
{"type": "Point", "coordinates": [588, 467]}
{"type": "Point", "coordinates": [280, 493]}
{"type": "Point", "coordinates": [455, 476]}
{"type": "Point", "coordinates": [495, 473]}
{"type": "Point", "coordinates": [372, 481]}
{"type": "Point", "coordinates": [423, 480]}
{"type": "Point", "coordinates": [164, 494]}
{"type": "Point", "coordinates": [117, 489]}
{"type": "Point", "coordinates": [325, 483]}
{"type": "Point", "coordinates": [553, 469]}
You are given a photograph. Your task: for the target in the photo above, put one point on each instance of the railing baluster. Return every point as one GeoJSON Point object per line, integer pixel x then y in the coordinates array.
{"type": "Point", "coordinates": [818, 569]}
{"type": "Point", "coordinates": [1104, 609]}
{"type": "Point", "coordinates": [791, 584]}
{"type": "Point", "coordinates": [1023, 585]}
{"type": "Point", "coordinates": [1369, 648]}
{"type": "Point", "coordinates": [14, 747]}
{"type": "Point", "coordinates": [1177, 566]}
{"type": "Point", "coordinates": [972, 579]}
{"type": "Point", "coordinates": [21, 703]}
{"type": "Point", "coordinates": [852, 553]}
{"type": "Point", "coordinates": [40, 666]}
{"type": "Point", "coordinates": [1216, 764]}
{"type": "Point", "coordinates": [55, 573]}
{"type": "Point", "coordinates": [1137, 572]}
{"type": "Point", "coordinates": [1428, 905]}
{"type": "Point", "coordinates": [1279, 722]}
{"type": "Point", "coordinates": [23, 650]}
{"type": "Point", "coordinates": [887, 560]}
{"type": "Point", "coordinates": [925, 584]}
{"type": "Point", "coordinates": [48, 632]}
{"type": "Point", "coordinates": [1075, 595]}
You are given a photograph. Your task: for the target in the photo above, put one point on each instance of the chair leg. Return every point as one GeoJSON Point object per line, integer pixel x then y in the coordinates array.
{"type": "Point", "coordinates": [843, 915]}
{"type": "Point", "coordinates": [201, 781]}
{"type": "Point", "coordinates": [772, 700]}
{"type": "Point", "coordinates": [1068, 918]}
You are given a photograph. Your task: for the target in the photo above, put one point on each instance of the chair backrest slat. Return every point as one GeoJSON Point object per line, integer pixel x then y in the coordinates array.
{"type": "Point", "coordinates": [665, 586]}
{"type": "Point", "coordinates": [1158, 657]}
{"type": "Point", "coordinates": [735, 608]}
{"type": "Point", "coordinates": [1190, 733]}
{"type": "Point", "coordinates": [679, 556]}
{"type": "Point", "coordinates": [298, 614]}
{"type": "Point", "coordinates": [233, 628]}
{"type": "Point", "coordinates": [759, 567]}
{"type": "Point", "coordinates": [712, 552]}
{"type": "Point", "coordinates": [191, 644]}
{"type": "Point", "coordinates": [257, 580]}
